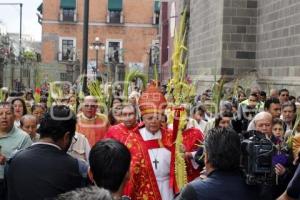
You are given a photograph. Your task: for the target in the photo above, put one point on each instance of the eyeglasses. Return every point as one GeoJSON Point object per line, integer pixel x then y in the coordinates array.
{"type": "Point", "coordinates": [90, 105]}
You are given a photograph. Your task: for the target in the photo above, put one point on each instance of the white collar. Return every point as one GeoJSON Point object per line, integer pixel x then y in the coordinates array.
{"type": "Point", "coordinates": [147, 135]}
{"type": "Point", "coordinates": [47, 143]}
{"type": "Point", "coordinates": [88, 119]}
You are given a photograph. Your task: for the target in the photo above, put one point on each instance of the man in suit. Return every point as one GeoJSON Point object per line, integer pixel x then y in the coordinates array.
{"type": "Point", "coordinates": [45, 170]}
{"type": "Point", "coordinates": [224, 180]}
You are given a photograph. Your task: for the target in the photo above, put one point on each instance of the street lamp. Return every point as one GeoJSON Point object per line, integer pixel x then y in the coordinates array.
{"type": "Point", "coordinates": [97, 45]}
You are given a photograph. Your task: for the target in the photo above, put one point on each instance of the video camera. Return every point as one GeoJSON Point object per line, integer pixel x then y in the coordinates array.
{"type": "Point", "coordinates": [256, 158]}
{"type": "Point", "coordinates": [256, 161]}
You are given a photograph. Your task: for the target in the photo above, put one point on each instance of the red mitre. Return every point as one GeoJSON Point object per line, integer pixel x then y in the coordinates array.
{"type": "Point", "coordinates": [152, 100]}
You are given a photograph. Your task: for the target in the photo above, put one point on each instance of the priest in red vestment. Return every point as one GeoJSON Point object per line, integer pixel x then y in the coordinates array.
{"type": "Point", "coordinates": [129, 125]}
{"type": "Point", "coordinates": [150, 146]}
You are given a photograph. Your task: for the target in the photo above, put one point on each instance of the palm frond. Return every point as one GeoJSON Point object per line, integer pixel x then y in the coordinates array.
{"type": "Point", "coordinates": [95, 88]}
{"type": "Point", "coordinates": [130, 76]}
{"type": "Point", "coordinates": [2, 95]}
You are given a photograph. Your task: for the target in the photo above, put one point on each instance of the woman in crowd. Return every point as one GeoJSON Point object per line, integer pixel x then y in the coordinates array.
{"type": "Point", "coordinates": [282, 160]}
{"type": "Point", "coordinates": [38, 110]}
{"type": "Point", "coordinates": [241, 96]}
{"type": "Point", "coordinates": [72, 103]}
{"type": "Point", "coordinates": [19, 109]}
{"type": "Point", "coordinates": [114, 115]}
{"type": "Point", "coordinates": [223, 120]}
{"type": "Point", "coordinates": [278, 130]}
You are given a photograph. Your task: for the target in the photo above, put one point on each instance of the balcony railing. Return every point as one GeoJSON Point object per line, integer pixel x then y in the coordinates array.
{"type": "Point", "coordinates": [113, 17]}
{"type": "Point", "coordinates": [66, 58]}
{"type": "Point", "coordinates": [68, 16]}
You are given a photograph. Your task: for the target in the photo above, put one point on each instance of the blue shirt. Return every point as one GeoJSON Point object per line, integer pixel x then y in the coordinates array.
{"type": "Point", "coordinates": [14, 140]}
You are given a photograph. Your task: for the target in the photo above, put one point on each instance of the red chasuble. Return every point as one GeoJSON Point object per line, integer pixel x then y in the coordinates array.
{"type": "Point", "coordinates": [142, 184]}
{"type": "Point", "coordinates": [120, 132]}
{"type": "Point", "coordinates": [93, 129]}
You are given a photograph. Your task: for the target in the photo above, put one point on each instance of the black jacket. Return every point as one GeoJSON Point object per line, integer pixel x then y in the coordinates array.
{"type": "Point", "coordinates": [42, 171]}
{"type": "Point", "coordinates": [219, 185]}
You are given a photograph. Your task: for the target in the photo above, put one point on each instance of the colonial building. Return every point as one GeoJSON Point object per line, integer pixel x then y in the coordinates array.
{"type": "Point", "coordinates": [238, 37]}
{"type": "Point", "coordinates": [122, 36]}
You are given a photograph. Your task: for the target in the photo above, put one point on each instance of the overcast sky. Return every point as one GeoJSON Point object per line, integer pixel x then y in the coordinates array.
{"type": "Point", "coordinates": [9, 15]}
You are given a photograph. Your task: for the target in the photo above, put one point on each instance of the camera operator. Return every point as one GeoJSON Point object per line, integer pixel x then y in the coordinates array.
{"type": "Point", "coordinates": [224, 179]}
{"type": "Point", "coordinates": [263, 123]}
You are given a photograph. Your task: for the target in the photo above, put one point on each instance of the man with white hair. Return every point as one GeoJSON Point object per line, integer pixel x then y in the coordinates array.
{"type": "Point", "coordinates": [91, 123]}
{"type": "Point", "coordinates": [28, 123]}
{"type": "Point", "coordinates": [263, 123]}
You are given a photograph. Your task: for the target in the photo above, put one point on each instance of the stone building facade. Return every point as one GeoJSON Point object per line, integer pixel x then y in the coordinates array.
{"type": "Point", "coordinates": [128, 32]}
{"type": "Point", "coordinates": [235, 38]}
{"type": "Point", "coordinates": [278, 43]}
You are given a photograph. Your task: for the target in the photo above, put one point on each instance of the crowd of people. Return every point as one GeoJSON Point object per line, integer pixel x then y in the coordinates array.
{"type": "Point", "coordinates": [72, 149]}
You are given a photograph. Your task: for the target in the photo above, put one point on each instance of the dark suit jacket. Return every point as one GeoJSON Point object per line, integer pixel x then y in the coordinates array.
{"type": "Point", "coordinates": [41, 171]}
{"type": "Point", "coordinates": [219, 186]}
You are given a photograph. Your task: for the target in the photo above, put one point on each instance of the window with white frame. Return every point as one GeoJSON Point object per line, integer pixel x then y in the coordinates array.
{"type": "Point", "coordinates": [114, 11]}
{"type": "Point", "coordinates": [68, 15]}
{"type": "Point", "coordinates": [68, 11]}
{"type": "Point", "coordinates": [115, 17]}
{"type": "Point", "coordinates": [114, 53]}
{"type": "Point", "coordinates": [156, 11]}
{"type": "Point", "coordinates": [67, 49]}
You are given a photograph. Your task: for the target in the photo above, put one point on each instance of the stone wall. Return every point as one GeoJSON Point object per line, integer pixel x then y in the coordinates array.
{"type": "Point", "coordinates": [278, 43]}
{"type": "Point", "coordinates": [205, 40]}
{"type": "Point", "coordinates": [239, 36]}
{"type": "Point", "coordinates": [235, 37]}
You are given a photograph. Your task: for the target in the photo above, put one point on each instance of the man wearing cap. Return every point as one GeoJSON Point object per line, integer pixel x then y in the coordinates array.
{"type": "Point", "coordinates": [150, 150]}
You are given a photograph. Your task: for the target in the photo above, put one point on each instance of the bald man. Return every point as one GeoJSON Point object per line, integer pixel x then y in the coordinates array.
{"type": "Point", "coordinates": [28, 123]}
{"type": "Point", "coordinates": [90, 123]}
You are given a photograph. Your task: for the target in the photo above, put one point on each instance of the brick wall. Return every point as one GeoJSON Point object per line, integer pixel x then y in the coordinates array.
{"type": "Point", "coordinates": [137, 31]}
